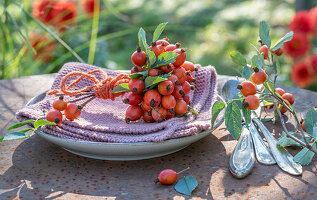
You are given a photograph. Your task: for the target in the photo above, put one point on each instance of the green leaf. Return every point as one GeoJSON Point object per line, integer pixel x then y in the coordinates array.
{"type": "Point", "coordinates": [166, 75]}
{"type": "Point", "coordinates": [256, 61]}
{"type": "Point", "coordinates": [42, 122]}
{"type": "Point", "coordinates": [151, 56]}
{"type": "Point", "coordinates": [14, 136]}
{"type": "Point", "coordinates": [165, 58]}
{"type": "Point", "coordinates": [310, 120]}
{"type": "Point", "coordinates": [287, 37]}
{"type": "Point", "coordinates": [123, 87]}
{"type": "Point", "coordinates": [142, 39]}
{"type": "Point", "coordinates": [233, 120]}
{"type": "Point", "coordinates": [139, 74]}
{"type": "Point", "coordinates": [260, 56]}
{"type": "Point", "coordinates": [315, 133]}
{"type": "Point", "coordinates": [264, 33]}
{"type": "Point", "coordinates": [305, 156]}
{"type": "Point", "coordinates": [286, 141]}
{"type": "Point", "coordinates": [20, 124]}
{"type": "Point", "coordinates": [246, 72]}
{"type": "Point", "coordinates": [143, 44]}
{"type": "Point", "coordinates": [216, 109]}
{"type": "Point", "coordinates": [152, 80]}
{"type": "Point", "coordinates": [158, 31]}
{"type": "Point", "coordinates": [186, 185]}
{"type": "Point", "coordinates": [238, 58]}
{"type": "Point", "coordinates": [26, 130]}
{"type": "Point", "coordinates": [247, 115]}
{"type": "Point", "coordinates": [190, 109]}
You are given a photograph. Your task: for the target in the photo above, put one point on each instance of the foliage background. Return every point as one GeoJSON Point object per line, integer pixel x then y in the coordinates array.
{"type": "Point", "coordinates": [210, 29]}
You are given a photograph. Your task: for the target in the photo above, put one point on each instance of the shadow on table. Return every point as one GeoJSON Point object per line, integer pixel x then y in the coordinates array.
{"type": "Point", "coordinates": [43, 170]}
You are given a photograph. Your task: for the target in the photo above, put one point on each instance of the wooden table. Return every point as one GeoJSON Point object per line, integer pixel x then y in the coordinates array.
{"type": "Point", "coordinates": [36, 169]}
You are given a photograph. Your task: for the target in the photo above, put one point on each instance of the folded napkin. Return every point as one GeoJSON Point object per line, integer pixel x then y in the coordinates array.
{"type": "Point", "coordinates": [103, 120]}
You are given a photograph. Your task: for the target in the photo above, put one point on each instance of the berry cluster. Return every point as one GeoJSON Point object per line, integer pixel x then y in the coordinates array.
{"type": "Point", "coordinates": [71, 111]}
{"type": "Point", "coordinates": [249, 90]}
{"type": "Point", "coordinates": [167, 98]}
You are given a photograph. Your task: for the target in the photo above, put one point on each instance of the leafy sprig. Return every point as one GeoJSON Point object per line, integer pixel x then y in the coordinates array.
{"type": "Point", "coordinates": [269, 96]}
{"type": "Point", "coordinates": [22, 134]}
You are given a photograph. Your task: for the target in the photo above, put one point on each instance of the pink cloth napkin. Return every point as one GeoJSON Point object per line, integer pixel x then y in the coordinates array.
{"type": "Point", "coordinates": [103, 120]}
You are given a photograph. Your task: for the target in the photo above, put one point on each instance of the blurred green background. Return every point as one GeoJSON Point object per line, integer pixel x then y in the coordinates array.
{"type": "Point", "coordinates": [210, 29]}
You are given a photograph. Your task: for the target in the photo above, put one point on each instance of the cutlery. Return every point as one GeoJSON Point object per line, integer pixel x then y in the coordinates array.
{"type": "Point", "coordinates": [282, 157]}
{"type": "Point", "coordinates": [263, 154]}
{"type": "Point", "coordinates": [242, 158]}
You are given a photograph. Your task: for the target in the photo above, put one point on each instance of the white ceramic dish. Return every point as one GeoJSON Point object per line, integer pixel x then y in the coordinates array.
{"type": "Point", "coordinates": [122, 151]}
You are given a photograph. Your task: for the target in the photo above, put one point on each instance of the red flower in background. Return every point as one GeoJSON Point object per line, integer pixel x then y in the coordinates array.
{"type": "Point", "coordinates": [41, 10]}
{"type": "Point", "coordinates": [43, 46]}
{"type": "Point", "coordinates": [313, 18]}
{"type": "Point", "coordinates": [65, 13]}
{"type": "Point", "coordinates": [58, 13]}
{"type": "Point", "coordinates": [313, 64]}
{"type": "Point", "coordinates": [89, 6]}
{"type": "Point", "coordinates": [298, 46]}
{"type": "Point", "coordinates": [301, 22]}
{"type": "Point", "coordinates": [301, 74]}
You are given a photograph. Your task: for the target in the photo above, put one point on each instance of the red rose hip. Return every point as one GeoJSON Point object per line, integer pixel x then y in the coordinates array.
{"type": "Point", "coordinates": [252, 102]}
{"type": "Point", "coordinates": [289, 97]}
{"type": "Point", "coordinates": [181, 74]}
{"type": "Point", "coordinates": [166, 87]}
{"type": "Point", "coordinates": [147, 116]}
{"type": "Point", "coordinates": [54, 116]}
{"type": "Point", "coordinates": [168, 102]}
{"type": "Point", "coordinates": [264, 49]}
{"type": "Point", "coordinates": [247, 88]}
{"type": "Point", "coordinates": [258, 77]}
{"type": "Point", "coordinates": [172, 47]}
{"type": "Point", "coordinates": [72, 111]}
{"type": "Point", "coordinates": [159, 114]}
{"type": "Point", "coordinates": [138, 58]}
{"type": "Point", "coordinates": [133, 99]}
{"type": "Point", "coordinates": [181, 107]}
{"type": "Point", "coordinates": [167, 176]}
{"type": "Point", "coordinates": [152, 98]}
{"type": "Point", "coordinates": [60, 104]}
{"type": "Point", "coordinates": [133, 113]}
{"type": "Point", "coordinates": [136, 85]}
{"type": "Point", "coordinates": [188, 66]}
{"type": "Point", "coordinates": [180, 59]}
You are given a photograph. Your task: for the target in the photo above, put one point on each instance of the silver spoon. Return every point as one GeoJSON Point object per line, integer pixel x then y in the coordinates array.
{"type": "Point", "coordinates": [242, 158]}
{"type": "Point", "coordinates": [283, 158]}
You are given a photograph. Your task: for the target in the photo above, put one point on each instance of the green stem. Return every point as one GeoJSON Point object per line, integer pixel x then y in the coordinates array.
{"type": "Point", "coordinates": [94, 33]}
{"type": "Point", "coordinates": [305, 144]}
{"type": "Point", "coordinates": [3, 47]}
{"type": "Point", "coordinates": [234, 100]}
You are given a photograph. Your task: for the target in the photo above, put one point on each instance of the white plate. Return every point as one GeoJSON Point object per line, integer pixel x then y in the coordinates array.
{"type": "Point", "coordinates": [122, 151]}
